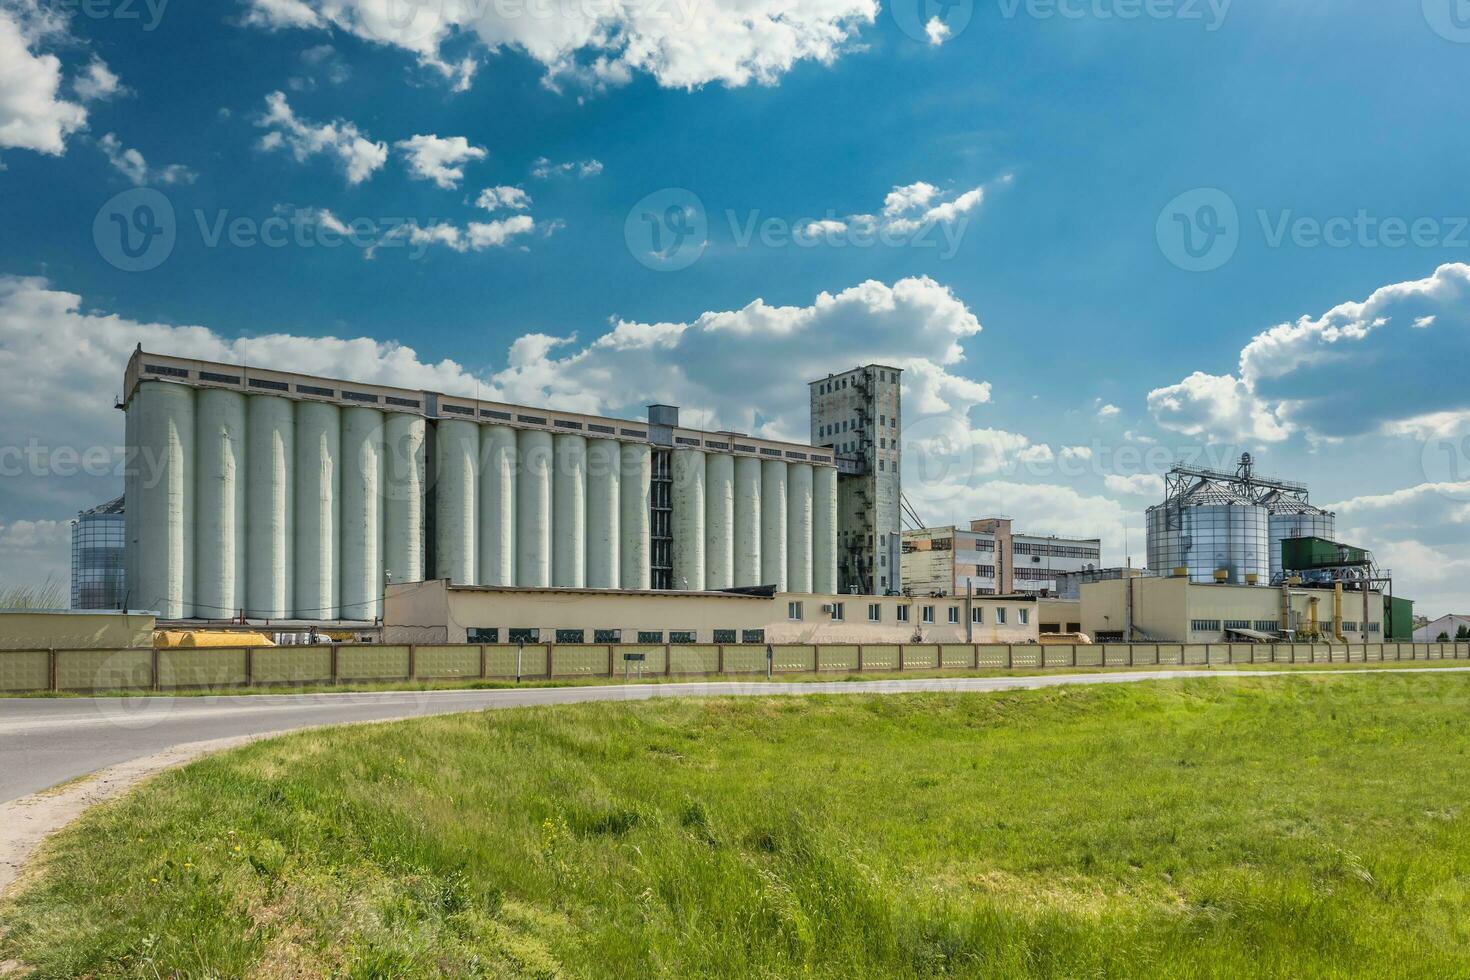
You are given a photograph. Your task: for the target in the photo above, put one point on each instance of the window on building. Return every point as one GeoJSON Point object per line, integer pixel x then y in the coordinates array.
{"type": "Point", "coordinates": [752, 636]}
{"type": "Point", "coordinates": [838, 610]}
{"type": "Point", "coordinates": [650, 636]}
{"type": "Point", "coordinates": [1023, 616]}
{"type": "Point", "coordinates": [793, 610]}
{"type": "Point", "coordinates": [1074, 627]}
{"type": "Point", "coordinates": [977, 614]}
{"type": "Point", "coordinates": [483, 634]}
{"type": "Point", "coordinates": [1267, 625]}
{"type": "Point", "coordinates": [1349, 625]}
{"type": "Point", "coordinates": [902, 614]}
{"type": "Point", "coordinates": [724, 636]}
{"type": "Point", "coordinates": [927, 614]}
{"type": "Point", "coordinates": [1204, 625]}
{"type": "Point", "coordinates": [571, 636]}
{"type": "Point", "coordinates": [875, 612]}
{"type": "Point", "coordinates": [524, 634]}
{"type": "Point", "coordinates": [954, 614]}
{"type": "Point", "coordinates": [1237, 624]}
{"type": "Point", "coordinates": [607, 636]}
{"type": "Point", "coordinates": [681, 636]}
{"type": "Point", "coordinates": [1000, 615]}
{"type": "Point", "coordinates": [881, 467]}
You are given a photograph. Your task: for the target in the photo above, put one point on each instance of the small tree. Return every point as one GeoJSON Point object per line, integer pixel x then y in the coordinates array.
{"type": "Point", "coordinates": [1443, 637]}
{"type": "Point", "coordinates": [1463, 633]}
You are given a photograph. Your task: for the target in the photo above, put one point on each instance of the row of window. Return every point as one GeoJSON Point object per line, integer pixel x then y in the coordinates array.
{"type": "Point", "coordinates": [1213, 625]}
{"type": "Point", "coordinates": [1055, 551]}
{"type": "Point", "coordinates": [796, 612]}
{"type": "Point", "coordinates": [532, 634]}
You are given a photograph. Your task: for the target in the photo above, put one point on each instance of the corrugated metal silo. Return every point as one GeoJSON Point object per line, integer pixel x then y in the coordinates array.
{"type": "Point", "coordinates": [456, 507]}
{"type": "Point", "coordinates": [1294, 518]}
{"type": "Point", "coordinates": [604, 514]}
{"type": "Point", "coordinates": [270, 457]}
{"type": "Point", "coordinates": [747, 563]}
{"type": "Point", "coordinates": [634, 521]}
{"type": "Point", "coordinates": [219, 509]}
{"type": "Point", "coordinates": [719, 521]}
{"type": "Point", "coordinates": [318, 495]}
{"type": "Point", "coordinates": [497, 521]}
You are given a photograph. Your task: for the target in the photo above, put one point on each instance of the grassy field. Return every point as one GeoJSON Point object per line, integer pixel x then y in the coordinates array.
{"type": "Point", "coordinates": [1304, 826]}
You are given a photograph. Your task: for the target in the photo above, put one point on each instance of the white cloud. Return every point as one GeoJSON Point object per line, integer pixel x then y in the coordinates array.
{"type": "Point", "coordinates": [908, 197]}
{"type": "Point", "coordinates": [97, 82]}
{"type": "Point", "coordinates": [440, 159]}
{"type": "Point", "coordinates": [320, 63]}
{"type": "Point", "coordinates": [542, 168]}
{"type": "Point", "coordinates": [358, 156]}
{"type": "Point", "coordinates": [33, 115]}
{"type": "Point", "coordinates": [1108, 412]}
{"type": "Point", "coordinates": [475, 236]}
{"type": "Point", "coordinates": [131, 164]}
{"type": "Point", "coordinates": [937, 31]}
{"type": "Point", "coordinates": [34, 554]}
{"type": "Point", "coordinates": [681, 45]}
{"type": "Point", "coordinates": [511, 198]}
{"type": "Point", "coordinates": [1140, 484]}
{"type": "Point", "coordinates": [1333, 376]}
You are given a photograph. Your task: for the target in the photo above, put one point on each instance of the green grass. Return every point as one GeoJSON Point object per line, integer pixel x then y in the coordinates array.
{"type": "Point", "coordinates": [495, 684]}
{"type": "Point", "coordinates": [1301, 826]}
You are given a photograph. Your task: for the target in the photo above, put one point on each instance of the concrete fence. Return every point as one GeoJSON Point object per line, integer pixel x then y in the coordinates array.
{"type": "Point", "coordinates": [143, 668]}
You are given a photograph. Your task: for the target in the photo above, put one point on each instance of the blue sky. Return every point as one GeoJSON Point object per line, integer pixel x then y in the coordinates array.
{"type": "Point", "coordinates": [1040, 166]}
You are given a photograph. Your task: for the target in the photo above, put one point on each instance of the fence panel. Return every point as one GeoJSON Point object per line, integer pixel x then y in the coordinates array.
{"type": "Point", "coordinates": [579, 660]}
{"type": "Point", "coordinates": [920, 656]}
{"type": "Point", "coordinates": [219, 667]}
{"type": "Point", "coordinates": [881, 656]}
{"type": "Point", "coordinates": [994, 654]}
{"type": "Point", "coordinates": [103, 670]}
{"type": "Point", "coordinates": [446, 662]}
{"type": "Point", "coordinates": [25, 670]}
{"type": "Point", "coordinates": [792, 658]}
{"type": "Point", "coordinates": [371, 663]}
{"type": "Point", "coordinates": [952, 655]}
{"type": "Point", "coordinates": [844, 658]}
{"type": "Point", "coordinates": [1056, 655]}
{"type": "Point", "coordinates": [1027, 655]}
{"type": "Point", "coordinates": [747, 658]}
{"type": "Point", "coordinates": [693, 659]}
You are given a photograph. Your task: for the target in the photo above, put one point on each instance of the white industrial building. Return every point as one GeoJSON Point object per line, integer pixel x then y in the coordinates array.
{"type": "Point", "coordinates": [271, 495]}
{"type": "Point", "coordinates": [989, 558]}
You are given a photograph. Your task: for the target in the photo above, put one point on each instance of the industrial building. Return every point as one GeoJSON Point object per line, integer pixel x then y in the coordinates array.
{"type": "Point", "coordinates": [98, 540]}
{"type": "Point", "coordinates": [858, 415]}
{"type": "Point", "coordinates": [990, 559]}
{"type": "Point", "coordinates": [268, 495]}
{"type": "Point", "coordinates": [440, 612]}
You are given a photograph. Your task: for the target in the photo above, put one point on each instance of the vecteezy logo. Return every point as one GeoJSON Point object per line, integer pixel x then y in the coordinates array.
{"type": "Point", "coordinates": [135, 230]}
{"type": "Point", "coordinates": [1450, 19]}
{"type": "Point", "coordinates": [403, 22]}
{"type": "Point", "coordinates": [932, 21]}
{"type": "Point", "coordinates": [1199, 230]}
{"type": "Point", "coordinates": [1445, 461]}
{"type": "Point", "coordinates": [667, 230]}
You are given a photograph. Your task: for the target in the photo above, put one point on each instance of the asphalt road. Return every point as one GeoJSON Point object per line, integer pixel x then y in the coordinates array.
{"type": "Point", "coordinates": [45, 741]}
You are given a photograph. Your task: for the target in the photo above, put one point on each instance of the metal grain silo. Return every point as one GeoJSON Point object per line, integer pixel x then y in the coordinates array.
{"type": "Point", "coordinates": [773, 524]}
{"type": "Point", "coordinates": [533, 510]}
{"type": "Point", "coordinates": [318, 495]}
{"type": "Point", "coordinates": [569, 512]}
{"type": "Point", "coordinates": [362, 513]}
{"type": "Point", "coordinates": [634, 521]}
{"type": "Point", "coordinates": [456, 504]}
{"type": "Point", "coordinates": [499, 458]}
{"type": "Point", "coordinates": [799, 527]}
{"type": "Point", "coordinates": [604, 514]}
{"type": "Point", "coordinates": [1211, 528]}
{"type": "Point", "coordinates": [824, 530]}
{"type": "Point", "coordinates": [1291, 517]}
{"type": "Point", "coordinates": [719, 521]}
{"type": "Point", "coordinates": [405, 448]}
{"type": "Point", "coordinates": [219, 508]}
{"type": "Point", "coordinates": [160, 507]}
{"type": "Point", "coordinates": [747, 521]}
{"type": "Point", "coordinates": [270, 457]}
{"type": "Point", "coordinates": [688, 519]}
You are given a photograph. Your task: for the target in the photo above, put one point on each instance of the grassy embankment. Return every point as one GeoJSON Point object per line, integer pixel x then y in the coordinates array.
{"type": "Point", "coordinates": [1301, 826]}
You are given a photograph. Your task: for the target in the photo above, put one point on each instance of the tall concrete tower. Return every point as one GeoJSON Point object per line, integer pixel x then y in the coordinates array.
{"type": "Point", "coordinates": [858, 415]}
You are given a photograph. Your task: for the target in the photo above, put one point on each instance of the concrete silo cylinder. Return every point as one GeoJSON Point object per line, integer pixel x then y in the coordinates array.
{"type": "Point", "coordinates": [318, 497]}
{"type": "Point", "coordinates": [456, 504]}
{"type": "Point", "coordinates": [219, 541]}
{"type": "Point", "coordinates": [604, 514]}
{"type": "Point", "coordinates": [719, 521]}
{"type": "Point", "coordinates": [497, 521]}
{"type": "Point", "coordinates": [533, 510]}
{"type": "Point", "coordinates": [634, 524]}
{"type": "Point", "coordinates": [362, 513]}
{"type": "Point", "coordinates": [687, 473]}
{"type": "Point", "coordinates": [270, 458]}
{"type": "Point", "coordinates": [747, 557]}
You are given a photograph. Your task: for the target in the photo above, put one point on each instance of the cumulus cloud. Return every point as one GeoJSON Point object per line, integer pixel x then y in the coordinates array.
{"type": "Point", "coordinates": [358, 156]}
{"type": "Point", "coordinates": [680, 45]}
{"type": "Point", "coordinates": [475, 236]}
{"type": "Point", "coordinates": [1107, 412]}
{"type": "Point", "coordinates": [1421, 534]}
{"type": "Point", "coordinates": [1139, 484]}
{"type": "Point", "coordinates": [320, 63]}
{"type": "Point", "coordinates": [511, 198]}
{"type": "Point", "coordinates": [131, 164]}
{"type": "Point", "coordinates": [97, 82]}
{"type": "Point", "coordinates": [1331, 376]}
{"type": "Point", "coordinates": [33, 113]}
{"type": "Point", "coordinates": [439, 158]}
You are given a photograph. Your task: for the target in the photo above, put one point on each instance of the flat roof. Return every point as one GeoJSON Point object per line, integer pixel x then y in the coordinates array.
{"type": "Point", "coordinates": [522, 589]}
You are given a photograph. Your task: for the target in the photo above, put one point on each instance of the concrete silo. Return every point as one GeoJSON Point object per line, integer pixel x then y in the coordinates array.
{"type": "Point", "coordinates": [499, 458]}
{"type": "Point", "coordinates": [747, 547]}
{"type": "Point", "coordinates": [533, 510]}
{"type": "Point", "coordinates": [688, 519]}
{"type": "Point", "coordinates": [362, 513]}
{"type": "Point", "coordinates": [634, 526]}
{"type": "Point", "coordinates": [318, 495]}
{"type": "Point", "coordinates": [456, 501]}
{"type": "Point", "coordinates": [569, 512]}
{"type": "Point", "coordinates": [604, 514]}
{"type": "Point", "coordinates": [405, 458]}
{"type": "Point", "coordinates": [160, 507]}
{"type": "Point", "coordinates": [799, 527]}
{"type": "Point", "coordinates": [270, 458]}
{"type": "Point", "coordinates": [719, 521]}
{"type": "Point", "coordinates": [773, 524]}
{"type": "Point", "coordinates": [219, 509]}
{"type": "Point", "coordinates": [824, 530]}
